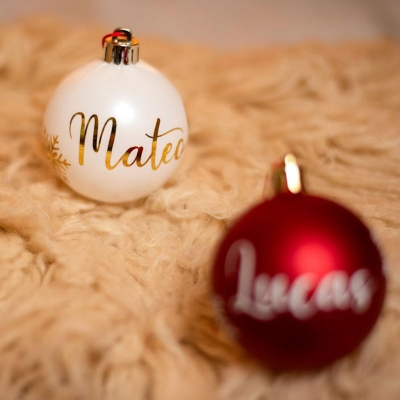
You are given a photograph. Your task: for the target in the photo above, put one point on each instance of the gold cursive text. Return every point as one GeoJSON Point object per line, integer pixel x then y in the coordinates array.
{"type": "Point", "coordinates": [133, 155]}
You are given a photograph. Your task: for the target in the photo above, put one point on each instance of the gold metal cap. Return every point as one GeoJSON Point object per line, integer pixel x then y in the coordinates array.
{"type": "Point", "coordinates": [121, 47]}
{"type": "Point", "coordinates": [285, 177]}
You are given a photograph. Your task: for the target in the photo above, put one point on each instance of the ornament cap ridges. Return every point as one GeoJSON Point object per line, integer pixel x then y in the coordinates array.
{"type": "Point", "coordinates": [121, 49]}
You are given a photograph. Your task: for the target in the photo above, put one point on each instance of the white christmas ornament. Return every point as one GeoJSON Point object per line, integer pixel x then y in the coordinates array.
{"type": "Point", "coordinates": [116, 129]}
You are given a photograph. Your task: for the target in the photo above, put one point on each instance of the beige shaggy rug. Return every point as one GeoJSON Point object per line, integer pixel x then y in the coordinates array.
{"type": "Point", "coordinates": [111, 302]}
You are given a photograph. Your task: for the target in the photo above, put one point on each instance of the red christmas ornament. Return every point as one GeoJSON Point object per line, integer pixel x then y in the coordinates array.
{"type": "Point", "coordinates": [298, 278]}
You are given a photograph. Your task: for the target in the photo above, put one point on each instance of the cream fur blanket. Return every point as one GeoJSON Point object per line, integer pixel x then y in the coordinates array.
{"type": "Point", "coordinates": [111, 302]}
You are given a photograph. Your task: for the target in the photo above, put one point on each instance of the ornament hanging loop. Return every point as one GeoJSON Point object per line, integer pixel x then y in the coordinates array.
{"type": "Point", "coordinates": [287, 177]}
{"type": "Point", "coordinates": [125, 32]}
{"type": "Point", "coordinates": [121, 47]}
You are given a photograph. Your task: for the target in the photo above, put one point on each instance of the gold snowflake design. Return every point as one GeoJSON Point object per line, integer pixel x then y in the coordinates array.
{"type": "Point", "coordinates": [60, 164]}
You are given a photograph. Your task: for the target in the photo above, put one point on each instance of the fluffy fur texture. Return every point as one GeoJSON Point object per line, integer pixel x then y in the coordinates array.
{"type": "Point", "coordinates": [103, 301]}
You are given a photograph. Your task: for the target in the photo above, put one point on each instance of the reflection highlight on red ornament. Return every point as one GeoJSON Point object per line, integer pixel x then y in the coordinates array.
{"type": "Point", "coordinates": [313, 256]}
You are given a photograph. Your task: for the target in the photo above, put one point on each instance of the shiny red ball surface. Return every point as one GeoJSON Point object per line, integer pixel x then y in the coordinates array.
{"type": "Point", "coordinates": [299, 281]}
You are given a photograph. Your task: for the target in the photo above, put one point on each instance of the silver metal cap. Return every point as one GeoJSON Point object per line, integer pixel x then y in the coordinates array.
{"type": "Point", "coordinates": [121, 47]}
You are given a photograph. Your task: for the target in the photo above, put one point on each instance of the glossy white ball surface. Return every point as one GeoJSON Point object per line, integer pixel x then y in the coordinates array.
{"type": "Point", "coordinates": [144, 127]}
